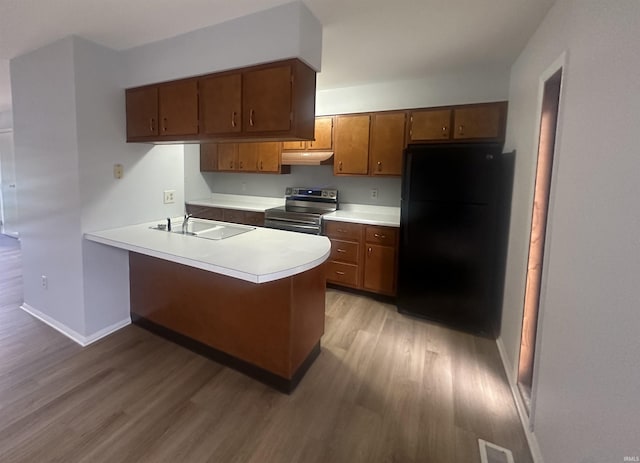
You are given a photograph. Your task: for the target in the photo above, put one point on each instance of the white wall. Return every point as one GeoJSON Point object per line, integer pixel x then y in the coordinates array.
{"type": "Point", "coordinates": [286, 31]}
{"type": "Point", "coordinates": [586, 406]}
{"type": "Point", "coordinates": [46, 150]}
{"type": "Point", "coordinates": [6, 120]}
{"type": "Point", "coordinates": [469, 86]}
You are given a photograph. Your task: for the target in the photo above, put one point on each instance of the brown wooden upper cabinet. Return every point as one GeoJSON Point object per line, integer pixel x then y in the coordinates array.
{"type": "Point", "coordinates": [142, 112]}
{"type": "Point", "coordinates": [479, 121]}
{"type": "Point", "coordinates": [322, 139]}
{"type": "Point", "coordinates": [430, 125]}
{"type": "Point", "coordinates": [482, 122]}
{"type": "Point", "coordinates": [274, 101]}
{"type": "Point", "coordinates": [263, 157]}
{"type": "Point", "coordinates": [163, 110]}
{"type": "Point", "coordinates": [387, 143]}
{"type": "Point", "coordinates": [270, 101]}
{"type": "Point", "coordinates": [351, 151]}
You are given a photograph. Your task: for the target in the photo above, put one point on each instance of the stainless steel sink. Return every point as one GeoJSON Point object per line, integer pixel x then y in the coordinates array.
{"type": "Point", "coordinates": [210, 230]}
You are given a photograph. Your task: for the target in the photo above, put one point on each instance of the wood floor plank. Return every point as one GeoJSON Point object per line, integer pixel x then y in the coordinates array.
{"type": "Point", "coordinates": [385, 388]}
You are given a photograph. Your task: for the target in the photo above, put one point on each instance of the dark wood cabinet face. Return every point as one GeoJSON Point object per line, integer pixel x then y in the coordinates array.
{"type": "Point", "coordinates": [351, 155]}
{"type": "Point", "coordinates": [267, 99]}
{"type": "Point", "coordinates": [221, 104]}
{"type": "Point", "coordinates": [142, 112]}
{"type": "Point", "coordinates": [178, 108]}
{"type": "Point", "coordinates": [387, 143]}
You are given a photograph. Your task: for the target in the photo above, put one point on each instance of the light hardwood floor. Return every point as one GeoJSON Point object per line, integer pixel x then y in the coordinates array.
{"type": "Point", "coordinates": [386, 388]}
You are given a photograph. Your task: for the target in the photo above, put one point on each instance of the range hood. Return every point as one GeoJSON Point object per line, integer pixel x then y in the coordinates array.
{"type": "Point", "coordinates": [307, 158]}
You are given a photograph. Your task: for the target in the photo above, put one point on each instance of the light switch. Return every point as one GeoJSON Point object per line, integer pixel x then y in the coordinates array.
{"type": "Point", "coordinates": [118, 170]}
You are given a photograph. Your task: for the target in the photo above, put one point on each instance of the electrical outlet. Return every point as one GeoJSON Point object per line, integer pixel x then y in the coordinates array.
{"type": "Point", "coordinates": [44, 281]}
{"type": "Point", "coordinates": [374, 193]}
{"type": "Point", "coordinates": [169, 196]}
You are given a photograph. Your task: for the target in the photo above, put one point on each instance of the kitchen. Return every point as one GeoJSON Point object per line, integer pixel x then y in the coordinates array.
{"type": "Point", "coordinates": [78, 299]}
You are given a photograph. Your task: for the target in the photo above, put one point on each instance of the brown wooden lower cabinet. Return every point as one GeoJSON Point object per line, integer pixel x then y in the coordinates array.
{"type": "Point", "coordinates": [363, 256]}
{"type": "Point", "coordinates": [226, 215]}
{"type": "Point", "coordinates": [270, 331]}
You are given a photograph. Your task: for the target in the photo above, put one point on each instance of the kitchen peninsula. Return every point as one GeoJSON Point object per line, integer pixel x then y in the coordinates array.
{"type": "Point", "coordinates": [254, 301]}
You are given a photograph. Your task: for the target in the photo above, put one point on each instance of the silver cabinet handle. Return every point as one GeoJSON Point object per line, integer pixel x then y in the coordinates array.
{"type": "Point", "coordinates": [339, 273]}
{"type": "Point", "coordinates": [251, 117]}
{"type": "Point", "coordinates": [341, 250]}
{"type": "Point", "coordinates": [379, 236]}
{"type": "Point", "coordinates": [461, 130]}
{"type": "Point", "coordinates": [151, 124]}
{"type": "Point", "coordinates": [233, 118]}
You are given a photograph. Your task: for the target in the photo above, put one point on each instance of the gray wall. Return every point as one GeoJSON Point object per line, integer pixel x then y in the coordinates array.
{"type": "Point", "coordinates": [587, 373]}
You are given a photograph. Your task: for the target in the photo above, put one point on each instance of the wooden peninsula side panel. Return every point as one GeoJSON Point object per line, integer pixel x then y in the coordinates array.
{"type": "Point", "coordinates": [270, 331]}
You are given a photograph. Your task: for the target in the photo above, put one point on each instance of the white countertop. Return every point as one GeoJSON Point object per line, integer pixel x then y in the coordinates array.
{"type": "Point", "coordinates": [240, 202]}
{"type": "Point", "coordinates": [365, 214]}
{"type": "Point", "coordinates": [258, 256]}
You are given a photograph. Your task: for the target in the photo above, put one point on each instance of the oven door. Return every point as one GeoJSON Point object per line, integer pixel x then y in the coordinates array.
{"type": "Point", "coordinates": [310, 229]}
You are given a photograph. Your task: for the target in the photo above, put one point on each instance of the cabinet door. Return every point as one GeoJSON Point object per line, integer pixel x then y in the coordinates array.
{"type": "Point", "coordinates": [294, 145]}
{"type": "Point", "coordinates": [387, 143]}
{"type": "Point", "coordinates": [351, 154]}
{"type": "Point", "coordinates": [430, 125]}
{"type": "Point", "coordinates": [483, 121]}
{"type": "Point", "coordinates": [233, 215]}
{"type": "Point", "coordinates": [247, 156]}
{"type": "Point", "coordinates": [178, 108]}
{"type": "Point", "coordinates": [221, 104]}
{"type": "Point", "coordinates": [379, 269]}
{"type": "Point", "coordinates": [204, 212]}
{"type": "Point", "coordinates": [267, 98]}
{"type": "Point", "coordinates": [323, 134]}
{"type": "Point", "coordinates": [269, 157]}
{"type": "Point", "coordinates": [227, 156]}
{"type": "Point", "coordinates": [142, 112]}
{"type": "Point", "coordinates": [209, 157]}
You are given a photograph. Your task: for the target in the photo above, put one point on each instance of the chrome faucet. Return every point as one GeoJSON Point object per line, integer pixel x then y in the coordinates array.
{"type": "Point", "coordinates": [185, 223]}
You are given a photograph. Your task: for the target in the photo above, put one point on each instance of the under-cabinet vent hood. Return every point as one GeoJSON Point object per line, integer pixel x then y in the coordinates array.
{"type": "Point", "coordinates": [307, 158]}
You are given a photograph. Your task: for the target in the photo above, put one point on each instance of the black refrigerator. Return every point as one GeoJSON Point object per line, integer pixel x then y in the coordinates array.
{"type": "Point", "coordinates": [453, 234]}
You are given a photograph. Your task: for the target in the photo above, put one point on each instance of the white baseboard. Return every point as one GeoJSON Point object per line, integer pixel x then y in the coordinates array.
{"type": "Point", "coordinates": [72, 334]}
{"type": "Point", "coordinates": [522, 411]}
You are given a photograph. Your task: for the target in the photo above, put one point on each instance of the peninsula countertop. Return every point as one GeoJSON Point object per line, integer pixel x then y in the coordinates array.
{"type": "Point", "coordinates": [258, 256]}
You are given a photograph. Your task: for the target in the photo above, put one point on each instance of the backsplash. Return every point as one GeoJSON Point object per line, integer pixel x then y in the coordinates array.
{"type": "Point", "coordinates": [354, 190]}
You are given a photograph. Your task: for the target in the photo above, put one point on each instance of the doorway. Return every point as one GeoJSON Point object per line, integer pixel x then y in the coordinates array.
{"type": "Point", "coordinates": [540, 208]}
{"type": "Point", "coordinates": [8, 196]}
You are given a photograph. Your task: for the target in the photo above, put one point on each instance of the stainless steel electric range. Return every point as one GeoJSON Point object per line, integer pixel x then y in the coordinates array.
{"type": "Point", "coordinates": [303, 210]}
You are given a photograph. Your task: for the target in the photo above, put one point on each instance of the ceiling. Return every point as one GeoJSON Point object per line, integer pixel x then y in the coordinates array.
{"type": "Point", "coordinates": [363, 40]}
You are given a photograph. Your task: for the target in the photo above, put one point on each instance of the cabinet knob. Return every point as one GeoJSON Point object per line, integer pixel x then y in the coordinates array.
{"type": "Point", "coordinates": [164, 122]}
{"type": "Point", "coordinates": [251, 117]}
{"type": "Point", "coordinates": [231, 165]}
{"type": "Point", "coordinates": [339, 273]}
{"type": "Point", "coordinates": [379, 236]}
{"type": "Point", "coordinates": [369, 251]}
{"type": "Point", "coordinates": [341, 250]}
{"type": "Point", "coordinates": [340, 166]}
{"type": "Point", "coordinates": [233, 118]}
{"type": "Point", "coordinates": [379, 166]}
{"type": "Point", "coordinates": [461, 130]}
{"type": "Point", "coordinates": [261, 165]}
{"type": "Point", "coordinates": [240, 164]}
{"type": "Point", "coordinates": [151, 121]}
{"type": "Point", "coordinates": [444, 131]}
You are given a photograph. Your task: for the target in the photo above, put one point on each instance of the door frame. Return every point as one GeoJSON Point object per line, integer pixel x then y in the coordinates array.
{"type": "Point", "coordinates": [559, 63]}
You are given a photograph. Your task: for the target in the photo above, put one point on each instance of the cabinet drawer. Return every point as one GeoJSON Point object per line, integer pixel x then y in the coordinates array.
{"type": "Point", "coordinates": [343, 230]}
{"type": "Point", "coordinates": [254, 218]}
{"type": "Point", "coordinates": [346, 274]}
{"type": "Point", "coordinates": [205, 212]}
{"type": "Point", "coordinates": [233, 216]}
{"type": "Point", "coordinates": [345, 251]}
{"type": "Point", "coordinates": [385, 236]}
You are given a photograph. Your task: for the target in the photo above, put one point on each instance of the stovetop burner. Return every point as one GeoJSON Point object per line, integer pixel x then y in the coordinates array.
{"type": "Point", "coordinates": [303, 209]}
